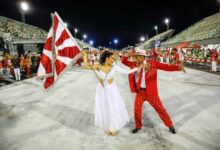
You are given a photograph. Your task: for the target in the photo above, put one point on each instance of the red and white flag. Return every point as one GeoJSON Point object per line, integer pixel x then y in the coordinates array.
{"type": "Point", "coordinates": [65, 52]}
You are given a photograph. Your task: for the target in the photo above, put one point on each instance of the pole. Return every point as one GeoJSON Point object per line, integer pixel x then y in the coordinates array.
{"type": "Point", "coordinates": [53, 47]}
{"type": "Point", "coordinates": [167, 26]}
{"type": "Point", "coordinates": [22, 16]}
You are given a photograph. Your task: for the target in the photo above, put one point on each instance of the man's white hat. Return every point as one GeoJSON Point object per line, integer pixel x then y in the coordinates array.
{"type": "Point", "coordinates": [85, 47]}
{"type": "Point", "coordinates": [140, 52]}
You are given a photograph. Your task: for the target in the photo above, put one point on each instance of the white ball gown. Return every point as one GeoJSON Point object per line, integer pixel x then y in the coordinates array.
{"type": "Point", "coordinates": [110, 110]}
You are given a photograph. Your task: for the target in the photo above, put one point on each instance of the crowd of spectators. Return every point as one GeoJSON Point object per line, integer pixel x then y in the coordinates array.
{"type": "Point", "coordinates": [18, 67]}
{"type": "Point", "coordinates": [207, 57]}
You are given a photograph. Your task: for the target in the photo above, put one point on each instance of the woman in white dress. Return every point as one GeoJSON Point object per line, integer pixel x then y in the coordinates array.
{"type": "Point", "coordinates": [110, 111]}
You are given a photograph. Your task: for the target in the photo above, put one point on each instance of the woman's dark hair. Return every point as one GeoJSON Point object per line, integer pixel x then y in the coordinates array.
{"type": "Point", "coordinates": [104, 56]}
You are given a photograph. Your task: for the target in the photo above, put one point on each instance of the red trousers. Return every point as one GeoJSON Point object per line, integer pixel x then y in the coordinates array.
{"type": "Point", "coordinates": [28, 71]}
{"type": "Point", "coordinates": [93, 62]}
{"type": "Point", "coordinates": [79, 62]}
{"type": "Point", "coordinates": [155, 102]}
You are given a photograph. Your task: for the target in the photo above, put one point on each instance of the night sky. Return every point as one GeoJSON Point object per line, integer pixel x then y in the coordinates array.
{"type": "Point", "coordinates": [104, 20]}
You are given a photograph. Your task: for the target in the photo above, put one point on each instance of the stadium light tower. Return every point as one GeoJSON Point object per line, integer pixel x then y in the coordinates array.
{"type": "Point", "coordinates": [75, 31]}
{"type": "Point", "coordinates": [142, 38]}
{"type": "Point", "coordinates": [156, 28]}
{"type": "Point", "coordinates": [84, 37]}
{"type": "Point", "coordinates": [66, 24]}
{"type": "Point", "coordinates": [147, 36]}
{"type": "Point", "coordinates": [23, 9]}
{"type": "Point", "coordinates": [91, 42]}
{"type": "Point", "coordinates": [167, 22]}
{"type": "Point", "coordinates": [115, 42]}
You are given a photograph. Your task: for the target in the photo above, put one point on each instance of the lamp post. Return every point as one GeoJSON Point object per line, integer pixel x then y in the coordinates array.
{"type": "Point", "coordinates": [156, 28]}
{"type": "Point", "coordinates": [91, 42]}
{"type": "Point", "coordinates": [23, 9]}
{"type": "Point", "coordinates": [147, 37]}
{"type": "Point", "coordinates": [142, 38]}
{"type": "Point", "coordinates": [84, 37]}
{"type": "Point", "coordinates": [115, 42]}
{"type": "Point", "coordinates": [66, 24]}
{"type": "Point", "coordinates": [75, 31]}
{"type": "Point", "coordinates": [167, 22]}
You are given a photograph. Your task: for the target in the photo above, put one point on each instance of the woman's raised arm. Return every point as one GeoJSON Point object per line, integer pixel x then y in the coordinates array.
{"type": "Point", "coordinates": [87, 65]}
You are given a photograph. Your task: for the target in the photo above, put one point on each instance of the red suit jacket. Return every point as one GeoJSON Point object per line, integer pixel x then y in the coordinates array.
{"type": "Point", "coordinates": [150, 75]}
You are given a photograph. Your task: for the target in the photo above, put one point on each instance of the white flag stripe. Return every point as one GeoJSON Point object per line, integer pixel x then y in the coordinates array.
{"type": "Point", "coordinates": [47, 53]}
{"type": "Point", "coordinates": [50, 34]}
{"type": "Point", "coordinates": [41, 70]}
{"type": "Point", "coordinates": [67, 43]}
{"type": "Point", "coordinates": [65, 60]}
{"type": "Point", "coordinates": [59, 31]}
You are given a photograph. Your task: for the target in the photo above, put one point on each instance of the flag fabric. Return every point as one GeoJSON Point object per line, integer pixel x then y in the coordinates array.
{"type": "Point", "coordinates": [66, 51]}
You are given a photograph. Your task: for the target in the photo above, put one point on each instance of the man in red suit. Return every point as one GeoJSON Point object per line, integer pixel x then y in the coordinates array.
{"type": "Point", "coordinates": [144, 84]}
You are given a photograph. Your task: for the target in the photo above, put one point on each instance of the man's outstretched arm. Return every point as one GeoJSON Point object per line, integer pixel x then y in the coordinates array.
{"type": "Point", "coordinates": [167, 67]}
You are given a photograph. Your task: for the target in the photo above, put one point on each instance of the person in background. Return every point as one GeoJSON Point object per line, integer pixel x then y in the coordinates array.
{"type": "Point", "coordinates": [175, 60]}
{"type": "Point", "coordinates": [182, 55]}
{"type": "Point", "coordinates": [214, 57]}
{"type": "Point", "coordinates": [160, 54]}
{"type": "Point", "coordinates": [1, 70]}
{"type": "Point", "coordinates": [167, 56]}
{"type": "Point", "coordinates": [8, 65]}
{"type": "Point", "coordinates": [27, 65]}
{"type": "Point", "coordinates": [38, 59]}
{"type": "Point", "coordinates": [22, 62]}
{"type": "Point", "coordinates": [15, 64]}
{"type": "Point", "coordinates": [34, 61]}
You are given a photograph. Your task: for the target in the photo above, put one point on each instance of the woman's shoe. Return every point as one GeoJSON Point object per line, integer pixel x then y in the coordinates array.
{"type": "Point", "coordinates": [108, 133]}
{"type": "Point", "coordinates": [114, 133]}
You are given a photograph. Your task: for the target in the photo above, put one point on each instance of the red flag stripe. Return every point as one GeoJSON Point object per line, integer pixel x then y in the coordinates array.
{"type": "Point", "coordinates": [46, 62]}
{"type": "Point", "coordinates": [48, 82]}
{"type": "Point", "coordinates": [70, 52]}
{"type": "Point", "coordinates": [60, 66]}
{"type": "Point", "coordinates": [64, 36]}
{"type": "Point", "coordinates": [48, 44]}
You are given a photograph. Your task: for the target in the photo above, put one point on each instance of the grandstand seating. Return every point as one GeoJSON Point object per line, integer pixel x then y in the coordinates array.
{"type": "Point", "coordinates": [20, 30]}
{"type": "Point", "coordinates": [207, 28]}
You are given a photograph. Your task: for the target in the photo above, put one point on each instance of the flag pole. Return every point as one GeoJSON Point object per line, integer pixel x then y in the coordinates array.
{"type": "Point", "coordinates": [53, 47]}
{"type": "Point", "coordinates": [95, 72]}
